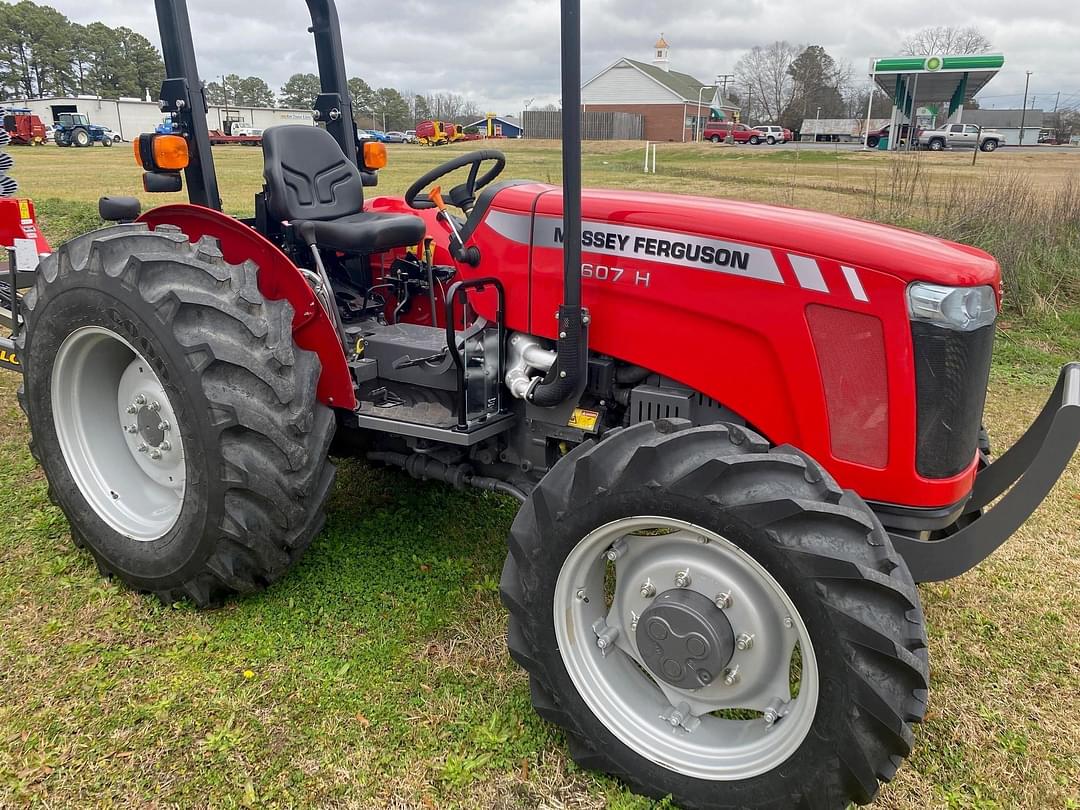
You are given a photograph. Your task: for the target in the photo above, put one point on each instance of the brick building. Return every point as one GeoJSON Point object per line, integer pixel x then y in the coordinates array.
{"type": "Point", "coordinates": [671, 102]}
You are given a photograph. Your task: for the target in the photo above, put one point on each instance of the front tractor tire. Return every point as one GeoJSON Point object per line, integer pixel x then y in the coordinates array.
{"type": "Point", "coordinates": [714, 619]}
{"type": "Point", "coordinates": [175, 419]}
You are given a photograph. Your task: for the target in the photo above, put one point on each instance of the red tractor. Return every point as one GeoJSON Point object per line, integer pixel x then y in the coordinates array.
{"type": "Point", "coordinates": [739, 434]}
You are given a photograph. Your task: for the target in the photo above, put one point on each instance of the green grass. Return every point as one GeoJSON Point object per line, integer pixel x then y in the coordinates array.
{"type": "Point", "coordinates": [375, 674]}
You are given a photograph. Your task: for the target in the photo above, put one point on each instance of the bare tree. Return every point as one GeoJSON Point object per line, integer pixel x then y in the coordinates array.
{"type": "Point", "coordinates": [941, 39]}
{"type": "Point", "coordinates": [764, 73]}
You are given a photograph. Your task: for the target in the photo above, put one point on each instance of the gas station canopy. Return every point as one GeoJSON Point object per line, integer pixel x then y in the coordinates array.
{"type": "Point", "coordinates": [954, 79]}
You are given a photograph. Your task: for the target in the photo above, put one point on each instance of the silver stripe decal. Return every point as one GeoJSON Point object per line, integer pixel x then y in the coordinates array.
{"type": "Point", "coordinates": [515, 227]}
{"type": "Point", "coordinates": [648, 244]}
{"type": "Point", "coordinates": [854, 284]}
{"type": "Point", "coordinates": [808, 273]}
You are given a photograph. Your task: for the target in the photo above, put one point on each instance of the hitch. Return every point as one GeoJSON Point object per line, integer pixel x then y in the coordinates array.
{"type": "Point", "coordinates": [1030, 468]}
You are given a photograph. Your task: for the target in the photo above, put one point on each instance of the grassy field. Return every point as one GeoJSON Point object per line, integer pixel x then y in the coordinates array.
{"type": "Point", "coordinates": [375, 675]}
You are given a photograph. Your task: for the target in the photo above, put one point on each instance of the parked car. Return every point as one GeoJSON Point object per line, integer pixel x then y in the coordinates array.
{"type": "Point", "coordinates": [717, 131]}
{"type": "Point", "coordinates": [395, 137]}
{"type": "Point", "coordinates": [364, 135]}
{"type": "Point", "coordinates": [410, 136]}
{"type": "Point", "coordinates": [876, 136]}
{"type": "Point", "coordinates": [379, 135]}
{"type": "Point", "coordinates": [774, 134]}
{"type": "Point", "coordinates": [960, 136]}
{"type": "Point", "coordinates": [108, 133]}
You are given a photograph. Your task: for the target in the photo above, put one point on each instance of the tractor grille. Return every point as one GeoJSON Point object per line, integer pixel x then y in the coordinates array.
{"type": "Point", "coordinates": [951, 373]}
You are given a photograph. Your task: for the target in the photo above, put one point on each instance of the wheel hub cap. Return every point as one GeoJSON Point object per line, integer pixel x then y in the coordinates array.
{"type": "Point", "coordinates": [685, 639]}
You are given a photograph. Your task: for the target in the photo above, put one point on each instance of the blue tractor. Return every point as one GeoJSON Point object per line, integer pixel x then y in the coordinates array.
{"type": "Point", "coordinates": [75, 129]}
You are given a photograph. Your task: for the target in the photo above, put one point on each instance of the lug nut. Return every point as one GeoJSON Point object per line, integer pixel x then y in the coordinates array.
{"type": "Point", "coordinates": [648, 590]}
{"type": "Point", "coordinates": [140, 399]}
{"type": "Point", "coordinates": [132, 409]}
{"type": "Point", "coordinates": [164, 427]}
{"type": "Point", "coordinates": [165, 446]}
{"type": "Point", "coordinates": [131, 429]}
{"type": "Point", "coordinates": [745, 641]}
{"type": "Point", "coordinates": [155, 406]}
{"type": "Point", "coordinates": [155, 454]}
{"type": "Point", "coordinates": [142, 448]}
{"type": "Point", "coordinates": [723, 600]}
{"type": "Point", "coordinates": [769, 717]}
{"type": "Point", "coordinates": [788, 622]}
{"type": "Point", "coordinates": [731, 676]}
{"type": "Point", "coordinates": [580, 594]}
{"type": "Point", "coordinates": [682, 579]}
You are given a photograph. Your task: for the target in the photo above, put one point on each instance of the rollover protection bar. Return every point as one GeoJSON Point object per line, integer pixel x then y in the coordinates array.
{"type": "Point", "coordinates": [1031, 467]}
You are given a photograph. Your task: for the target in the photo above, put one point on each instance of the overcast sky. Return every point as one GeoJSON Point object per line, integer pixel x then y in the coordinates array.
{"type": "Point", "coordinates": [501, 52]}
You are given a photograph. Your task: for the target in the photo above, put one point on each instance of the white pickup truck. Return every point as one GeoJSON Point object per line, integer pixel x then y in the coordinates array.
{"type": "Point", "coordinates": [954, 136]}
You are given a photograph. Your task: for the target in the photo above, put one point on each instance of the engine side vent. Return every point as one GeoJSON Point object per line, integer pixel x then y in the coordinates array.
{"type": "Point", "coordinates": [649, 403]}
{"type": "Point", "coordinates": [652, 402]}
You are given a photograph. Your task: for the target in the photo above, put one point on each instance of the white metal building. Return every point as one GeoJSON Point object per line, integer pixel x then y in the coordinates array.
{"type": "Point", "coordinates": [129, 117]}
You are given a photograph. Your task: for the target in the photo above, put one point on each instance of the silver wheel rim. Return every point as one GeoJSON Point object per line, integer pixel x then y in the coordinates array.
{"type": "Point", "coordinates": [659, 721]}
{"type": "Point", "coordinates": [118, 433]}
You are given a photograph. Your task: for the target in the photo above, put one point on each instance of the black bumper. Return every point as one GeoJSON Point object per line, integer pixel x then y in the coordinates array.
{"type": "Point", "coordinates": [1030, 467]}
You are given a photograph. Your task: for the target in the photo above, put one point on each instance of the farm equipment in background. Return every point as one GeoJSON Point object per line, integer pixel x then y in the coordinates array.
{"type": "Point", "coordinates": [75, 129]}
{"type": "Point", "coordinates": [23, 127]}
{"type": "Point", "coordinates": [237, 132]}
{"type": "Point", "coordinates": [739, 433]}
{"type": "Point", "coordinates": [438, 133]}
{"type": "Point", "coordinates": [21, 246]}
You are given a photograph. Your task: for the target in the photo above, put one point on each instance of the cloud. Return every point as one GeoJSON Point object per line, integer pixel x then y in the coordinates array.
{"type": "Point", "coordinates": [502, 53]}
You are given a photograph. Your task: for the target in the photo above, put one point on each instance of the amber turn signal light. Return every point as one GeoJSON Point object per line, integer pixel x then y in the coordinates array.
{"type": "Point", "coordinates": [375, 155]}
{"type": "Point", "coordinates": [161, 153]}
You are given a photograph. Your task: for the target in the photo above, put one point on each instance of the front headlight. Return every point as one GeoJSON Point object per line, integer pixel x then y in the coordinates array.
{"type": "Point", "coordinates": [963, 309]}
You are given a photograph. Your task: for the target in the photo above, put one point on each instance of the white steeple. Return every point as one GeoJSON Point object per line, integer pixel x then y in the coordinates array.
{"type": "Point", "coordinates": [660, 54]}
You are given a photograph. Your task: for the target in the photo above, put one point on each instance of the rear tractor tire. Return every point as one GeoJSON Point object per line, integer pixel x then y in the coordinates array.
{"type": "Point", "coordinates": [715, 619]}
{"type": "Point", "coordinates": [174, 417]}
{"type": "Point", "coordinates": [81, 138]}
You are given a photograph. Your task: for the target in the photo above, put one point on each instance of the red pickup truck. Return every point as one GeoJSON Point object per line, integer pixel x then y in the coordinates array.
{"type": "Point", "coordinates": [717, 131]}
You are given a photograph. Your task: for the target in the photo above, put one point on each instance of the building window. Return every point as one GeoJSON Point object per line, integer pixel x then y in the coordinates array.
{"type": "Point", "coordinates": [659, 54]}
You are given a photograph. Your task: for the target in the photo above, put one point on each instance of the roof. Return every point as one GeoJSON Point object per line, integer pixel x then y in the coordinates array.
{"type": "Point", "coordinates": [1008, 119]}
{"type": "Point", "coordinates": [683, 85]}
{"type": "Point", "coordinates": [503, 119]}
{"type": "Point", "coordinates": [661, 43]}
{"type": "Point", "coordinates": [939, 78]}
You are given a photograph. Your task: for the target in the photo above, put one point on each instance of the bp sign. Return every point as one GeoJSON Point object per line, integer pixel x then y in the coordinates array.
{"type": "Point", "coordinates": [933, 63]}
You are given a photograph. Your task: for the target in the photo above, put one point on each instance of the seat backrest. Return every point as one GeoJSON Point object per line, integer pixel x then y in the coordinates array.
{"type": "Point", "coordinates": [308, 176]}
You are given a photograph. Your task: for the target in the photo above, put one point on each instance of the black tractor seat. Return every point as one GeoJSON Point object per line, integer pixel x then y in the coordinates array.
{"type": "Point", "coordinates": [363, 233]}
{"type": "Point", "coordinates": [311, 185]}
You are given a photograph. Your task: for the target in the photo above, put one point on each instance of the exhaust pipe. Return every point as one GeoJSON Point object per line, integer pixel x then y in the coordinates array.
{"type": "Point", "coordinates": [572, 348]}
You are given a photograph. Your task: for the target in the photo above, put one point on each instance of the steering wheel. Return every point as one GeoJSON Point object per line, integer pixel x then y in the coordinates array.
{"type": "Point", "coordinates": [462, 196]}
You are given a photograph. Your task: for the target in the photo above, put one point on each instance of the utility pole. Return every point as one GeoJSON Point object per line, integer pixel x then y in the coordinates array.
{"type": "Point", "coordinates": [1023, 109]}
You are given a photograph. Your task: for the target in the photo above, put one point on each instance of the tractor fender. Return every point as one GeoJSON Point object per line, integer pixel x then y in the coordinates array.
{"type": "Point", "coordinates": [278, 278]}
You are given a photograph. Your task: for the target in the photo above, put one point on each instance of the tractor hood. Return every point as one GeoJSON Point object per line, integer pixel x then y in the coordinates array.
{"type": "Point", "coordinates": [907, 255]}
